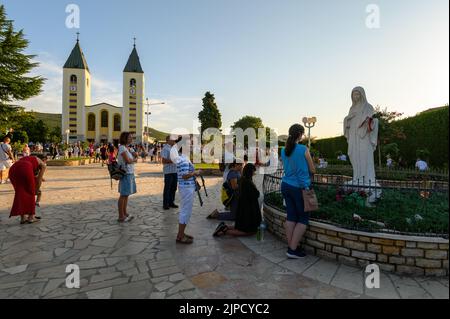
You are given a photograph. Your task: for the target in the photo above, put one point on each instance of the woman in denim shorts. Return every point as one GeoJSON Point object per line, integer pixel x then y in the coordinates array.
{"type": "Point", "coordinates": [126, 158]}
{"type": "Point", "coordinates": [298, 168]}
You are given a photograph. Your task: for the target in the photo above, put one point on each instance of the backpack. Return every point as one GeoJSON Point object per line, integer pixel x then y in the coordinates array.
{"type": "Point", "coordinates": [115, 171]}
{"type": "Point", "coordinates": [227, 194]}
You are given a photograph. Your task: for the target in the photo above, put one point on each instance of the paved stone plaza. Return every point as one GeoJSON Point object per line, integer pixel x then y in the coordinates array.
{"type": "Point", "coordinates": [141, 259]}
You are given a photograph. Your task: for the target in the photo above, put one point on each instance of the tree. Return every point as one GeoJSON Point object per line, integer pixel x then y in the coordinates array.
{"type": "Point", "coordinates": [392, 150]}
{"type": "Point", "coordinates": [55, 135]}
{"type": "Point", "coordinates": [210, 116]}
{"type": "Point", "coordinates": [387, 132]}
{"type": "Point", "coordinates": [423, 154]}
{"type": "Point", "coordinates": [15, 85]}
{"type": "Point", "coordinates": [37, 131]}
{"type": "Point", "coordinates": [248, 122]}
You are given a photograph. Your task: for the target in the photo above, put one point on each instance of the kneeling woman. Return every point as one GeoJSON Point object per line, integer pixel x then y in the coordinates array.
{"type": "Point", "coordinates": [248, 215]}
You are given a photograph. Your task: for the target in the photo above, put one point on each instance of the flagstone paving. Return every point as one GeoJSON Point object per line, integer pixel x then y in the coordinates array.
{"type": "Point", "coordinates": [141, 259]}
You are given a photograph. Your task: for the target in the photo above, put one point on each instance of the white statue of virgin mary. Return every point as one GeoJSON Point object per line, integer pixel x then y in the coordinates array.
{"type": "Point", "coordinates": [361, 131]}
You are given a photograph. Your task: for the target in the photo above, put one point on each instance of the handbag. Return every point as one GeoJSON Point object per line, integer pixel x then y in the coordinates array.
{"type": "Point", "coordinates": [311, 203]}
{"type": "Point", "coordinates": [310, 200]}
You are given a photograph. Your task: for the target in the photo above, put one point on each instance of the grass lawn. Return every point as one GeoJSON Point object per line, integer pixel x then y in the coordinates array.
{"type": "Point", "coordinates": [206, 166]}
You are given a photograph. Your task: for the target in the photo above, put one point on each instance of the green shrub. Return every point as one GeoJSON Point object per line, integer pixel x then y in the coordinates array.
{"type": "Point", "coordinates": [401, 210]}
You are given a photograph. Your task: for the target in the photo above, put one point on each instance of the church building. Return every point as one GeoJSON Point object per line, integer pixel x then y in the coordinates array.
{"type": "Point", "coordinates": [103, 122]}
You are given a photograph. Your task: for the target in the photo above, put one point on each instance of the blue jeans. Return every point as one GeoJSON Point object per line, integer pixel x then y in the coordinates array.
{"type": "Point", "coordinates": [295, 206]}
{"type": "Point", "coordinates": [170, 188]}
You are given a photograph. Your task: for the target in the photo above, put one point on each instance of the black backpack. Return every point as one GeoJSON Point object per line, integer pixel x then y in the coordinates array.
{"type": "Point", "coordinates": [115, 171]}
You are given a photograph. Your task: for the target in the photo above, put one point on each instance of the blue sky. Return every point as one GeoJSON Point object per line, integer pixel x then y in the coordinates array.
{"type": "Point", "coordinates": [279, 60]}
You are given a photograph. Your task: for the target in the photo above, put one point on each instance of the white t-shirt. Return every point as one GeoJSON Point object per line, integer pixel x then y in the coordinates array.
{"type": "Point", "coordinates": [389, 162]}
{"type": "Point", "coordinates": [129, 168]}
{"type": "Point", "coordinates": [4, 148]}
{"type": "Point", "coordinates": [422, 165]}
{"type": "Point", "coordinates": [229, 158]}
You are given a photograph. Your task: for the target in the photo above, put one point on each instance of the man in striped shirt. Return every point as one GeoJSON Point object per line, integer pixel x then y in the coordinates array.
{"type": "Point", "coordinates": [186, 187]}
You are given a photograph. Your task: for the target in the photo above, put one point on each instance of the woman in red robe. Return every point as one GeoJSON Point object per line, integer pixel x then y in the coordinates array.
{"type": "Point", "coordinates": [26, 177]}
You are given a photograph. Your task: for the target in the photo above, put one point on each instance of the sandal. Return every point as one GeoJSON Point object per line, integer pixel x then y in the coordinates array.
{"type": "Point", "coordinates": [35, 220]}
{"type": "Point", "coordinates": [185, 240]}
{"type": "Point", "coordinates": [213, 215]}
{"type": "Point", "coordinates": [189, 236]}
{"type": "Point", "coordinates": [126, 219]}
{"type": "Point", "coordinates": [222, 228]}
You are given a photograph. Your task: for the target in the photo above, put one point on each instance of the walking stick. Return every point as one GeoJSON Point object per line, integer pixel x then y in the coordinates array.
{"type": "Point", "coordinates": [204, 186]}
{"type": "Point", "coordinates": [197, 189]}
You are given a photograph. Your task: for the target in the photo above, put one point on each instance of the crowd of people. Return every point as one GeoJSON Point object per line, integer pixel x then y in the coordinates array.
{"type": "Point", "coordinates": [240, 197]}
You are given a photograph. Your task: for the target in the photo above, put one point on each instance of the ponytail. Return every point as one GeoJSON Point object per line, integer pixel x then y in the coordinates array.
{"type": "Point", "coordinates": [295, 132]}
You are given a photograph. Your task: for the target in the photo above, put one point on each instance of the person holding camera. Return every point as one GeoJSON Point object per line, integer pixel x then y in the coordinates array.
{"type": "Point", "coordinates": [186, 174]}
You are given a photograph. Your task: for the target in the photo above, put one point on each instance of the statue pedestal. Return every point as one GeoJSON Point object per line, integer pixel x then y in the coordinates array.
{"type": "Point", "coordinates": [373, 190]}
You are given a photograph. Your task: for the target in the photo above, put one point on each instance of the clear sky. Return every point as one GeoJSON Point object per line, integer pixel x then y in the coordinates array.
{"type": "Point", "coordinates": [279, 60]}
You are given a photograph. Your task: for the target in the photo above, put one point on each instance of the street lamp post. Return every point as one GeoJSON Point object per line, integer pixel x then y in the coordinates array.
{"type": "Point", "coordinates": [149, 113]}
{"type": "Point", "coordinates": [67, 136]}
{"type": "Point", "coordinates": [309, 122]}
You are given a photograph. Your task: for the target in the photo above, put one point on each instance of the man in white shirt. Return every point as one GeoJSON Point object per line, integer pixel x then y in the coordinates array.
{"type": "Point", "coordinates": [421, 165]}
{"type": "Point", "coordinates": [389, 162]}
{"type": "Point", "coordinates": [6, 159]}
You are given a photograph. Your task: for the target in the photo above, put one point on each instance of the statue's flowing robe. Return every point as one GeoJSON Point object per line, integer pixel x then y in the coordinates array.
{"type": "Point", "coordinates": [361, 131]}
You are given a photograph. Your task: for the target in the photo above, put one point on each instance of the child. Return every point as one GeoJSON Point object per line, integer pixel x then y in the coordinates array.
{"type": "Point", "coordinates": [186, 187]}
{"type": "Point", "coordinates": [39, 194]}
{"type": "Point", "coordinates": [143, 154]}
{"type": "Point", "coordinates": [38, 198]}
{"type": "Point", "coordinates": [111, 154]}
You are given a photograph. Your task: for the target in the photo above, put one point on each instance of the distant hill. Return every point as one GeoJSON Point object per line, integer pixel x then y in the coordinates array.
{"type": "Point", "coordinates": [50, 119]}
{"type": "Point", "coordinates": [158, 135]}
{"type": "Point", "coordinates": [54, 120]}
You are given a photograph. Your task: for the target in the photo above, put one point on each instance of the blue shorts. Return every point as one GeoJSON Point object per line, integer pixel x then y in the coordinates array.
{"type": "Point", "coordinates": [127, 185]}
{"type": "Point", "coordinates": [294, 204]}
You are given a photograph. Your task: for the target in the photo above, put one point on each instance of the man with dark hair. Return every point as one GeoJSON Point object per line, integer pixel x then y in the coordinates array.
{"type": "Point", "coordinates": [170, 174]}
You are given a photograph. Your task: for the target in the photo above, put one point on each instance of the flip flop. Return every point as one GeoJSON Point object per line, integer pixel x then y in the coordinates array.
{"type": "Point", "coordinates": [126, 220]}
{"type": "Point", "coordinates": [213, 215]}
{"type": "Point", "coordinates": [222, 228]}
{"type": "Point", "coordinates": [186, 240]}
{"type": "Point", "coordinates": [33, 221]}
{"type": "Point", "coordinates": [189, 236]}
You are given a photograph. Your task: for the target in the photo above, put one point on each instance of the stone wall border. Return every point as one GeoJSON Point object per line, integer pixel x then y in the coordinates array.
{"type": "Point", "coordinates": [401, 254]}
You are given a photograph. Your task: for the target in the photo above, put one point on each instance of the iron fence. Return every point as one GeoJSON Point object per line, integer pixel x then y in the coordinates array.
{"type": "Point", "coordinates": [412, 207]}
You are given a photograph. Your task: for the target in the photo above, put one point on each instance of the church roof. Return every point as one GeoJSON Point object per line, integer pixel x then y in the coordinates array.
{"type": "Point", "coordinates": [133, 64]}
{"type": "Point", "coordinates": [76, 59]}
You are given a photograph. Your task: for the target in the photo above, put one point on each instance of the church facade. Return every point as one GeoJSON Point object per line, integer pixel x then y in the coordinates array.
{"type": "Point", "coordinates": [103, 122]}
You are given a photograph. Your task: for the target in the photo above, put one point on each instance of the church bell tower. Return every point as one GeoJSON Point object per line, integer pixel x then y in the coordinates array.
{"type": "Point", "coordinates": [133, 96]}
{"type": "Point", "coordinates": [76, 95]}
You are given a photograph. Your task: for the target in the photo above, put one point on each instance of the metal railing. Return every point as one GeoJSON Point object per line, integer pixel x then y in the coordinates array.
{"type": "Point", "coordinates": [410, 207]}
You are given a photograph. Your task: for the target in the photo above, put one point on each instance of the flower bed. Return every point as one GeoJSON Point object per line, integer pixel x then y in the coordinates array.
{"type": "Point", "coordinates": [399, 210]}
{"type": "Point", "coordinates": [71, 161]}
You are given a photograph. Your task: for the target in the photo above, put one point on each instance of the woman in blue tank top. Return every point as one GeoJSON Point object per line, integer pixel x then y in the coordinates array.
{"type": "Point", "coordinates": [298, 169]}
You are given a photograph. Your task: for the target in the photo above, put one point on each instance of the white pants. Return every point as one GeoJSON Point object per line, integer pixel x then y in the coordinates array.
{"type": "Point", "coordinates": [187, 201]}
